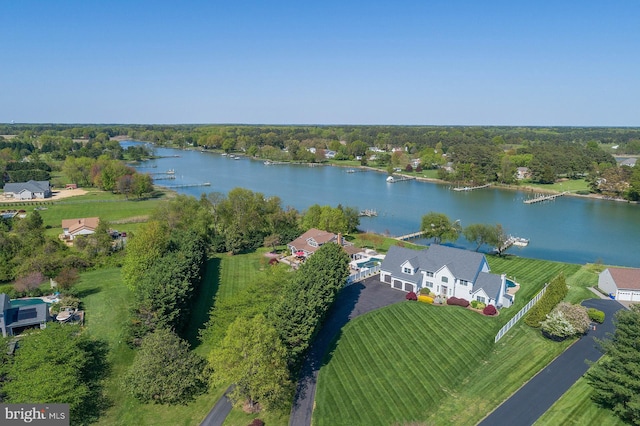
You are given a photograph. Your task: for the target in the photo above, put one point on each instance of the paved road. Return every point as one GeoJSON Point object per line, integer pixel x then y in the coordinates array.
{"type": "Point", "coordinates": [219, 412]}
{"type": "Point", "coordinates": [532, 400]}
{"type": "Point", "coordinates": [352, 301]}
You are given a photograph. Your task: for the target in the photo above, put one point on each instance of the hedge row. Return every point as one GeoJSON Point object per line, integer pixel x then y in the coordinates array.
{"type": "Point", "coordinates": [595, 315]}
{"type": "Point", "coordinates": [556, 291]}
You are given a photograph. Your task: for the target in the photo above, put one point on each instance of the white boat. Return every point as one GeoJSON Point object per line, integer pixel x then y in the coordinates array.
{"type": "Point", "coordinates": [390, 179]}
{"type": "Point", "coordinates": [520, 242]}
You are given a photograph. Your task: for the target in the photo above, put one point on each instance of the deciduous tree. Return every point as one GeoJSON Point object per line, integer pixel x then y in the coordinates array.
{"type": "Point", "coordinates": [253, 358]}
{"type": "Point", "coordinates": [165, 371]}
{"type": "Point", "coordinates": [439, 227]}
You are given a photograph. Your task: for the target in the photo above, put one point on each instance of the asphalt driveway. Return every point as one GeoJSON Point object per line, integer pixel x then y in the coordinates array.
{"type": "Point", "coordinates": [355, 300]}
{"type": "Point", "coordinates": [532, 400]}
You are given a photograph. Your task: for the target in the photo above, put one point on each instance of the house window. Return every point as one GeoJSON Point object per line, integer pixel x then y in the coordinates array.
{"type": "Point", "coordinates": [463, 282]}
{"type": "Point", "coordinates": [429, 274]}
{"type": "Point", "coordinates": [481, 299]}
{"type": "Point", "coordinates": [407, 270]}
{"type": "Point", "coordinates": [429, 284]}
{"type": "Point", "coordinates": [445, 279]}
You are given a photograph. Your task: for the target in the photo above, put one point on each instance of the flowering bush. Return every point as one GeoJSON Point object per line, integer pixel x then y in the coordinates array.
{"type": "Point", "coordinates": [476, 304]}
{"type": "Point", "coordinates": [411, 296]}
{"type": "Point", "coordinates": [458, 302]}
{"type": "Point", "coordinates": [490, 310]}
{"type": "Point", "coordinates": [425, 299]}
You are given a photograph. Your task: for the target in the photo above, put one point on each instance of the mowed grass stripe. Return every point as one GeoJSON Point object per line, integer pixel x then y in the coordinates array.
{"type": "Point", "coordinates": [395, 372]}
{"type": "Point", "coordinates": [401, 361]}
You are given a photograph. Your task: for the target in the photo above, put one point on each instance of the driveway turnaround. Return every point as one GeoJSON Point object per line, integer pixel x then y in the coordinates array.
{"type": "Point", "coordinates": [355, 300]}
{"type": "Point", "coordinates": [533, 399]}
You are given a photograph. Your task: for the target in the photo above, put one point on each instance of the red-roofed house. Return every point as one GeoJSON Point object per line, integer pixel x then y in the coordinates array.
{"type": "Point", "coordinates": [621, 283]}
{"type": "Point", "coordinates": [71, 228]}
{"type": "Point", "coordinates": [307, 243]}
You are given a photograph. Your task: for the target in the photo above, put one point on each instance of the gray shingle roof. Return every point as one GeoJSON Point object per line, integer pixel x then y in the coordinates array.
{"type": "Point", "coordinates": [31, 186]}
{"type": "Point", "coordinates": [490, 283]}
{"type": "Point", "coordinates": [464, 264]}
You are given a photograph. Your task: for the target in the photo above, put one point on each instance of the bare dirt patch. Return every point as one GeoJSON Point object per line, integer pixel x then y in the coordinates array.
{"type": "Point", "coordinates": [56, 195]}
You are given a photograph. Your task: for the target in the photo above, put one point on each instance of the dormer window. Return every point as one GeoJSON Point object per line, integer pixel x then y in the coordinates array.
{"type": "Point", "coordinates": [407, 270]}
{"type": "Point", "coordinates": [429, 274]}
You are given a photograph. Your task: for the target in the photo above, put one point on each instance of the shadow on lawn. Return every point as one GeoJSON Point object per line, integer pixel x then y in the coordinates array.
{"type": "Point", "coordinates": [203, 301]}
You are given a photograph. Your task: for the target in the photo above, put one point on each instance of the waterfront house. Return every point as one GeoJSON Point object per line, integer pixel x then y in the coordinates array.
{"type": "Point", "coordinates": [306, 244]}
{"type": "Point", "coordinates": [446, 271]}
{"type": "Point", "coordinates": [523, 173]}
{"type": "Point", "coordinates": [71, 228]}
{"type": "Point", "coordinates": [29, 190]}
{"type": "Point", "coordinates": [621, 283]}
{"type": "Point", "coordinates": [15, 318]}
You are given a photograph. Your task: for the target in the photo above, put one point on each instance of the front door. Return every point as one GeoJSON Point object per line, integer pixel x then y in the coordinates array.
{"type": "Point", "coordinates": [445, 291]}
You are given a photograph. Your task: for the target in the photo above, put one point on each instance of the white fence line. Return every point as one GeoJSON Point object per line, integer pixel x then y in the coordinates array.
{"type": "Point", "coordinates": [361, 275]}
{"type": "Point", "coordinates": [519, 315]}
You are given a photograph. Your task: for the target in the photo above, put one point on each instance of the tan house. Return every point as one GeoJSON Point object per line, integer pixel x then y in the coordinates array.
{"type": "Point", "coordinates": [72, 228]}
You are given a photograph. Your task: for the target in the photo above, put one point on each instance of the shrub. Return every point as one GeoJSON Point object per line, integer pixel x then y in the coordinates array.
{"type": "Point", "coordinates": [476, 304]}
{"type": "Point", "coordinates": [425, 299]}
{"type": "Point", "coordinates": [556, 291]}
{"type": "Point", "coordinates": [425, 291]}
{"type": "Point", "coordinates": [595, 315]}
{"type": "Point", "coordinates": [456, 301]}
{"type": "Point", "coordinates": [411, 296]}
{"type": "Point", "coordinates": [576, 315]}
{"type": "Point", "coordinates": [28, 282]}
{"type": "Point", "coordinates": [409, 168]}
{"type": "Point", "coordinates": [490, 310]}
{"type": "Point", "coordinates": [557, 326]}
{"type": "Point", "coordinates": [256, 422]}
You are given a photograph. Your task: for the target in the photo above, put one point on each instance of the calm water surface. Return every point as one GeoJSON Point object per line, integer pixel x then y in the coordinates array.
{"type": "Point", "coordinates": [569, 229]}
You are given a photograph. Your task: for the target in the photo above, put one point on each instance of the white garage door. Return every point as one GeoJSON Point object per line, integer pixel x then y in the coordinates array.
{"type": "Point", "coordinates": [624, 295]}
{"type": "Point", "coordinates": [635, 296]}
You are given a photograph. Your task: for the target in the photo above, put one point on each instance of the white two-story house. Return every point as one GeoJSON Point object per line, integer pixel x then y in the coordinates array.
{"type": "Point", "coordinates": [446, 271]}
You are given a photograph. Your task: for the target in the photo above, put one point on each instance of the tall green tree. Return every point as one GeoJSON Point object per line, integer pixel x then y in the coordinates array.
{"type": "Point", "coordinates": [56, 365]}
{"type": "Point", "coordinates": [439, 227]}
{"type": "Point", "coordinates": [143, 249]}
{"type": "Point", "coordinates": [252, 357]}
{"type": "Point", "coordinates": [479, 234]}
{"type": "Point", "coordinates": [165, 371]}
{"type": "Point", "coordinates": [616, 378]}
{"type": "Point", "coordinates": [308, 298]}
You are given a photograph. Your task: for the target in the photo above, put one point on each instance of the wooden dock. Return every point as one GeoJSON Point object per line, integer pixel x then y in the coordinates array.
{"type": "Point", "coordinates": [513, 241]}
{"type": "Point", "coordinates": [540, 198]}
{"type": "Point", "coordinates": [470, 188]}
{"type": "Point", "coordinates": [368, 213]}
{"type": "Point", "coordinates": [188, 185]}
{"type": "Point", "coordinates": [410, 236]}
{"type": "Point", "coordinates": [395, 179]}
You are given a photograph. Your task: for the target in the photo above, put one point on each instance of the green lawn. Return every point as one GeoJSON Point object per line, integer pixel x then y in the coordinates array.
{"type": "Point", "coordinates": [426, 365]}
{"type": "Point", "coordinates": [106, 302]}
{"type": "Point", "coordinates": [97, 203]}
{"type": "Point", "coordinates": [576, 408]}
{"type": "Point", "coordinates": [572, 185]}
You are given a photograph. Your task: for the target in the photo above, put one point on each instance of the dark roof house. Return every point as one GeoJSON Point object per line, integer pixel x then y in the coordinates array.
{"type": "Point", "coordinates": [18, 317]}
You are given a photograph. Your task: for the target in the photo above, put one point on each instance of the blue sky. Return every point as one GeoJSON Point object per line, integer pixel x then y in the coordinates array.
{"type": "Point", "coordinates": [571, 63]}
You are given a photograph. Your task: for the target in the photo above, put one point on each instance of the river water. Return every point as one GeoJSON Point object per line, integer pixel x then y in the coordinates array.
{"type": "Point", "coordinates": [569, 229]}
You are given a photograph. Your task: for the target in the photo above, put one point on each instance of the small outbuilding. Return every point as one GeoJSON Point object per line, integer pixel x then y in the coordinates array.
{"type": "Point", "coordinates": [621, 283]}
{"type": "Point", "coordinates": [15, 318]}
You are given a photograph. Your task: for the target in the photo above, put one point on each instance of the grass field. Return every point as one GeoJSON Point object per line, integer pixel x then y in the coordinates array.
{"type": "Point", "coordinates": [386, 355]}
{"type": "Point", "coordinates": [106, 301]}
{"type": "Point", "coordinates": [571, 185]}
{"type": "Point", "coordinates": [106, 205]}
{"type": "Point", "coordinates": [576, 408]}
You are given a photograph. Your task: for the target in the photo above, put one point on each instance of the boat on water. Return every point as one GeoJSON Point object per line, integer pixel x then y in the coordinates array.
{"type": "Point", "coordinates": [520, 242]}
{"type": "Point", "coordinates": [390, 179]}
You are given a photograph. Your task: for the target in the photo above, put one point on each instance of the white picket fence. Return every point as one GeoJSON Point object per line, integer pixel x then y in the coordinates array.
{"type": "Point", "coordinates": [362, 274]}
{"type": "Point", "coordinates": [519, 315]}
